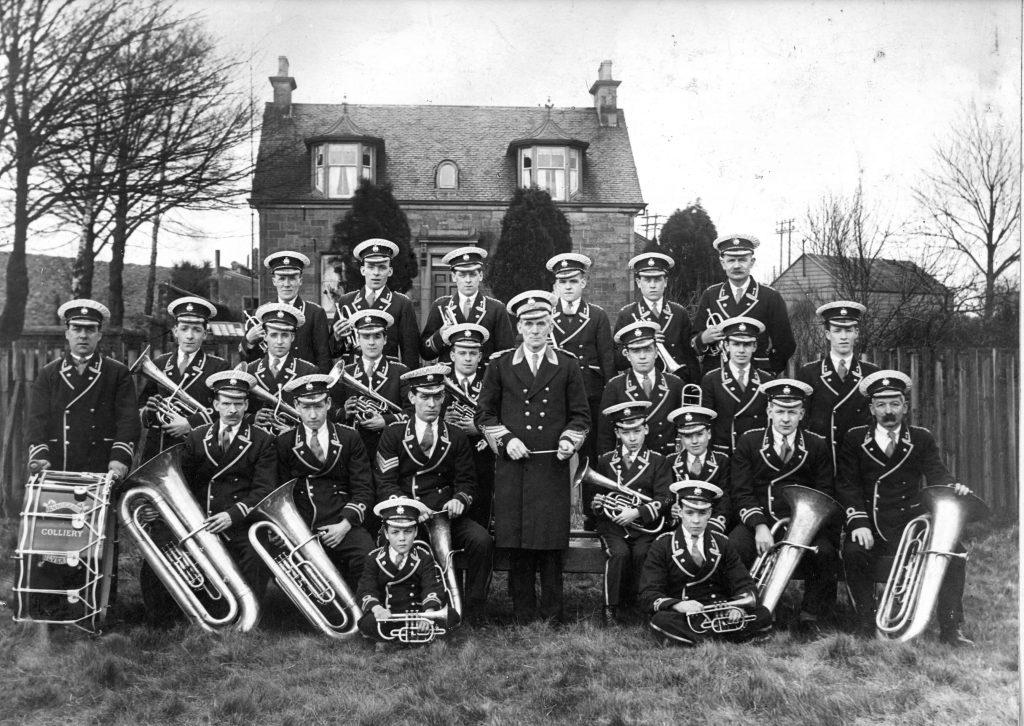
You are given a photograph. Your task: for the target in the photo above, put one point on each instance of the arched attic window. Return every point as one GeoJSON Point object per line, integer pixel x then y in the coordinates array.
{"type": "Point", "coordinates": [447, 175]}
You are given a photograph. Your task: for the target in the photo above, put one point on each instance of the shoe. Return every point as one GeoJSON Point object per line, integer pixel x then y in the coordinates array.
{"type": "Point", "coordinates": [955, 638]}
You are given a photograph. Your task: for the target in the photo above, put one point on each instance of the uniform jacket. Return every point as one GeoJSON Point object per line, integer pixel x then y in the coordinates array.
{"type": "Point", "coordinates": [775, 345]}
{"type": "Point", "coordinates": [714, 471]}
{"type": "Point", "coordinates": [193, 383]}
{"type": "Point", "coordinates": [666, 395]}
{"type": "Point", "coordinates": [486, 311]}
{"type": "Point", "coordinates": [588, 336]}
{"type": "Point", "coordinates": [649, 475]}
{"type": "Point", "coordinates": [291, 368]}
{"type": "Point", "coordinates": [312, 339]}
{"type": "Point", "coordinates": [675, 324]}
{"type": "Point", "coordinates": [402, 338]}
{"type": "Point", "coordinates": [339, 487]}
{"type": "Point", "coordinates": [414, 587]}
{"type": "Point", "coordinates": [402, 469]}
{"type": "Point", "coordinates": [738, 411]}
{"type": "Point", "coordinates": [670, 575]}
{"type": "Point", "coordinates": [884, 492]}
{"type": "Point", "coordinates": [758, 473]}
{"type": "Point", "coordinates": [386, 380]}
{"type": "Point", "coordinates": [836, 405]}
{"type": "Point", "coordinates": [232, 481]}
{"type": "Point", "coordinates": [531, 496]}
{"type": "Point", "coordinates": [83, 422]}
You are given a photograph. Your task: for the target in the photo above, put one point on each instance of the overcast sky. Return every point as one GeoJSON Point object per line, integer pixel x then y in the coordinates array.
{"type": "Point", "coordinates": [756, 108]}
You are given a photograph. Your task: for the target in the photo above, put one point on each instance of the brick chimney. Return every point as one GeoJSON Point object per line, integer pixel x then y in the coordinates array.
{"type": "Point", "coordinates": [283, 86]}
{"type": "Point", "coordinates": [604, 92]}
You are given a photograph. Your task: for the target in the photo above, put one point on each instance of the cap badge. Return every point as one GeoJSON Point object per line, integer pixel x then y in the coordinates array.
{"type": "Point", "coordinates": [376, 248]}
{"type": "Point", "coordinates": [465, 256]}
{"type": "Point", "coordinates": [689, 417]}
{"type": "Point", "coordinates": [233, 381]}
{"type": "Point", "coordinates": [698, 491]}
{"type": "Point", "coordinates": [83, 311]}
{"type": "Point", "coordinates": [650, 262]}
{"type": "Point", "coordinates": [430, 378]}
{"type": "Point", "coordinates": [286, 261]}
{"type": "Point", "coordinates": [786, 389]}
{"type": "Point", "coordinates": [565, 263]}
{"type": "Point", "coordinates": [885, 381]}
{"type": "Point", "coordinates": [367, 319]}
{"type": "Point", "coordinates": [400, 510]}
{"type": "Point", "coordinates": [309, 386]}
{"type": "Point", "coordinates": [743, 326]}
{"type": "Point", "coordinates": [190, 307]}
{"type": "Point", "coordinates": [530, 301]}
{"type": "Point", "coordinates": [843, 311]}
{"type": "Point", "coordinates": [280, 313]}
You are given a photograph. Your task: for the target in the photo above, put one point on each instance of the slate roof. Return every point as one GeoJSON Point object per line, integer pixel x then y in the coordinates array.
{"type": "Point", "coordinates": [886, 275]}
{"type": "Point", "coordinates": [418, 138]}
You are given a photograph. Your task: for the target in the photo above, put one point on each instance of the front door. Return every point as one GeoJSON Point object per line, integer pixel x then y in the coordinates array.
{"type": "Point", "coordinates": [434, 279]}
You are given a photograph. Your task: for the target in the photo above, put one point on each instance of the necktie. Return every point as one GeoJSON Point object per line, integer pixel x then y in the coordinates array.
{"type": "Point", "coordinates": [225, 440]}
{"type": "Point", "coordinates": [182, 365]}
{"type": "Point", "coordinates": [275, 366]}
{"type": "Point", "coordinates": [891, 446]}
{"type": "Point", "coordinates": [80, 364]}
{"type": "Point", "coordinates": [695, 467]}
{"type": "Point", "coordinates": [370, 299]}
{"type": "Point", "coordinates": [427, 442]}
{"type": "Point", "coordinates": [842, 370]}
{"type": "Point", "coordinates": [316, 448]}
{"type": "Point", "coordinates": [786, 451]}
{"type": "Point", "coordinates": [465, 386]}
{"type": "Point", "coordinates": [647, 385]}
{"type": "Point", "coordinates": [737, 294]}
{"type": "Point", "coordinates": [465, 309]}
{"type": "Point", "coordinates": [741, 380]}
{"type": "Point", "coordinates": [534, 362]}
{"type": "Point", "coordinates": [698, 558]}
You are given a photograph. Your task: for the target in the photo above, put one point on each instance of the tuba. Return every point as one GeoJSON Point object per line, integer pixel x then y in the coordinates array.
{"type": "Point", "coordinates": [179, 402]}
{"type": "Point", "coordinates": [302, 568]}
{"type": "Point", "coordinates": [714, 617]}
{"type": "Point", "coordinates": [416, 628]}
{"type": "Point", "coordinates": [439, 531]}
{"type": "Point", "coordinates": [621, 497]}
{"type": "Point", "coordinates": [809, 509]}
{"type": "Point", "coordinates": [195, 561]}
{"type": "Point", "coordinates": [921, 559]}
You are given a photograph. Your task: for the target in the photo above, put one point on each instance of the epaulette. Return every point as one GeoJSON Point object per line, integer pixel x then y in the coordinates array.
{"type": "Point", "coordinates": [567, 353]}
{"type": "Point", "coordinates": [215, 357]}
{"type": "Point", "coordinates": [392, 359]}
{"type": "Point", "coordinates": [755, 431]}
{"type": "Point", "coordinates": [814, 434]}
{"type": "Point", "coordinates": [498, 353]}
{"type": "Point", "coordinates": [616, 377]}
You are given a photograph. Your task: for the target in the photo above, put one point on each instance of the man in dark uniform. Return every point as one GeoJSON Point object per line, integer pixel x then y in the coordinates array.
{"type": "Point", "coordinates": [643, 382]}
{"type": "Point", "coordinates": [432, 462]}
{"type": "Point", "coordinates": [767, 459]}
{"type": "Point", "coordinates": [837, 404]}
{"type": "Point", "coordinates": [465, 340]}
{"type": "Point", "coordinates": [400, 578]}
{"type": "Point", "coordinates": [403, 337]}
{"type": "Point", "coordinates": [229, 466]}
{"type": "Point", "coordinates": [692, 567]}
{"type": "Point", "coordinates": [312, 338]}
{"type": "Point", "coordinates": [334, 487]}
{"type": "Point", "coordinates": [626, 533]}
{"type": "Point", "coordinates": [468, 305]}
{"type": "Point", "coordinates": [734, 389]}
{"type": "Point", "coordinates": [375, 371]}
{"type": "Point", "coordinates": [881, 468]}
{"type": "Point", "coordinates": [695, 459]}
{"type": "Point", "coordinates": [187, 367]}
{"type": "Point", "coordinates": [533, 411]}
{"type": "Point", "coordinates": [650, 271]}
{"type": "Point", "coordinates": [583, 329]}
{"type": "Point", "coordinates": [741, 295]}
{"type": "Point", "coordinates": [278, 365]}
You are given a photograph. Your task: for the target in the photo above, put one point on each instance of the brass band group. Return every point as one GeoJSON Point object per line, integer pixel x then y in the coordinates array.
{"type": "Point", "coordinates": [331, 460]}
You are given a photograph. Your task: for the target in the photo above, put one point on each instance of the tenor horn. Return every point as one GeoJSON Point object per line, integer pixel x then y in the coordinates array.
{"type": "Point", "coordinates": [338, 373]}
{"type": "Point", "coordinates": [622, 497]}
{"type": "Point", "coordinates": [179, 401]}
{"type": "Point", "coordinates": [415, 628]}
{"type": "Point", "coordinates": [439, 531]}
{"type": "Point", "coordinates": [715, 617]}
{"type": "Point", "coordinates": [922, 557]}
{"type": "Point", "coordinates": [195, 561]}
{"type": "Point", "coordinates": [809, 510]}
{"type": "Point", "coordinates": [302, 568]}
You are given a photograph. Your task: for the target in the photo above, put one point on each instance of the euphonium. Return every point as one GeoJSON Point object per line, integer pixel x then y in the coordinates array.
{"type": "Point", "coordinates": [809, 510]}
{"type": "Point", "coordinates": [302, 568]}
{"type": "Point", "coordinates": [921, 560]}
{"type": "Point", "coordinates": [416, 627]}
{"type": "Point", "coordinates": [715, 616]}
{"type": "Point", "coordinates": [179, 402]}
{"type": "Point", "coordinates": [622, 497]}
{"type": "Point", "coordinates": [439, 530]}
{"type": "Point", "coordinates": [195, 560]}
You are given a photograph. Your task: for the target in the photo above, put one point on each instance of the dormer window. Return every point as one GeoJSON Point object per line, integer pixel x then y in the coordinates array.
{"type": "Point", "coordinates": [447, 175]}
{"type": "Point", "coordinates": [337, 168]}
{"type": "Point", "coordinates": [555, 169]}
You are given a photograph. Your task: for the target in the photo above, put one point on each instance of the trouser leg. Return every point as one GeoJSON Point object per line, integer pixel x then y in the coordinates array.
{"type": "Point", "coordinates": [522, 575]}
{"type": "Point", "coordinates": [549, 563]}
{"type": "Point", "coordinates": [672, 628]}
{"type": "Point", "coordinates": [820, 571]}
{"type": "Point", "coordinates": [350, 555]}
{"type": "Point", "coordinates": [616, 553]}
{"type": "Point", "coordinates": [639, 547]}
{"type": "Point", "coordinates": [742, 539]}
{"type": "Point", "coordinates": [478, 547]}
{"type": "Point", "coordinates": [859, 565]}
{"type": "Point", "coordinates": [950, 606]}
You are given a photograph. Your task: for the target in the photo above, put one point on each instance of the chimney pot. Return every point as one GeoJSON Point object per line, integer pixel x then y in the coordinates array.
{"type": "Point", "coordinates": [604, 73]}
{"type": "Point", "coordinates": [283, 85]}
{"type": "Point", "coordinates": [604, 91]}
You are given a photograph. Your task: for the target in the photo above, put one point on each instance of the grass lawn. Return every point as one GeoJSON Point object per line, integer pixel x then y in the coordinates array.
{"type": "Point", "coordinates": [284, 673]}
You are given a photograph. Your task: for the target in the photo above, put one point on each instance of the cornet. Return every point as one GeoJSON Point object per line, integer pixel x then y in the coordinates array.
{"type": "Point", "coordinates": [415, 628]}
{"type": "Point", "coordinates": [447, 316]}
{"type": "Point", "coordinates": [715, 348]}
{"type": "Point", "coordinates": [671, 364]}
{"type": "Point", "coordinates": [254, 322]}
{"type": "Point", "coordinates": [714, 617]}
{"type": "Point", "coordinates": [179, 402]}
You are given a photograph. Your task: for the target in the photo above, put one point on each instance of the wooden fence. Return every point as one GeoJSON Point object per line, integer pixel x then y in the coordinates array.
{"type": "Point", "coordinates": [968, 398]}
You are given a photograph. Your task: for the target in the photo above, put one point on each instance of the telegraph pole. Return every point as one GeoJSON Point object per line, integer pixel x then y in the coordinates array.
{"type": "Point", "coordinates": [784, 227]}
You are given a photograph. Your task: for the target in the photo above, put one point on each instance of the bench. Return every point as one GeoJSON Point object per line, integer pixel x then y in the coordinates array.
{"type": "Point", "coordinates": [584, 556]}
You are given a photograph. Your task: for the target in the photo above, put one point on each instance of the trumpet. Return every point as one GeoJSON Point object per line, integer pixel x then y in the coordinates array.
{"type": "Point", "coordinates": [302, 568]}
{"type": "Point", "coordinates": [195, 562]}
{"type": "Point", "coordinates": [622, 497]}
{"type": "Point", "coordinates": [714, 617]}
{"type": "Point", "coordinates": [773, 570]}
{"type": "Point", "coordinates": [922, 557]}
{"type": "Point", "coordinates": [416, 628]}
{"type": "Point", "coordinates": [179, 402]}
{"type": "Point", "coordinates": [439, 531]}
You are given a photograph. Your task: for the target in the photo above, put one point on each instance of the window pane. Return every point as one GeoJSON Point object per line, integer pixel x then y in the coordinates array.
{"type": "Point", "coordinates": [367, 157]}
{"type": "Point", "coordinates": [342, 154]}
{"type": "Point", "coordinates": [446, 176]}
{"type": "Point", "coordinates": [574, 181]}
{"type": "Point", "coordinates": [574, 158]}
{"type": "Point", "coordinates": [543, 158]}
{"type": "Point", "coordinates": [343, 181]}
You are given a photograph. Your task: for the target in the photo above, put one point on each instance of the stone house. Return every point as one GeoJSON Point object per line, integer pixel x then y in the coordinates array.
{"type": "Point", "coordinates": [454, 170]}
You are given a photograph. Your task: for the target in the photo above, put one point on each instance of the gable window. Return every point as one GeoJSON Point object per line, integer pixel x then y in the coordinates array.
{"type": "Point", "coordinates": [555, 169]}
{"type": "Point", "coordinates": [447, 175]}
{"type": "Point", "coordinates": [337, 168]}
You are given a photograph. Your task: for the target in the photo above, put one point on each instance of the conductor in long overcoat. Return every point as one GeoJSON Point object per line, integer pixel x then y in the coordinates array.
{"type": "Point", "coordinates": [533, 411]}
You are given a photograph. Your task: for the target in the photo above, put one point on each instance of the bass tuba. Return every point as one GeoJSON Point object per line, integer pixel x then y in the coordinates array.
{"type": "Point", "coordinates": [921, 560]}
{"type": "Point", "coordinates": [439, 531]}
{"type": "Point", "coordinates": [194, 561]}
{"type": "Point", "coordinates": [809, 510]}
{"type": "Point", "coordinates": [302, 568]}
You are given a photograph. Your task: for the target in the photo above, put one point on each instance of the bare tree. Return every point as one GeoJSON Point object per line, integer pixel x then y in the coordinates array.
{"type": "Point", "coordinates": [972, 197]}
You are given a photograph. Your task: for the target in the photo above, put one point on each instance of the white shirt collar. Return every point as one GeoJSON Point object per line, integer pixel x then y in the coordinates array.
{"type": "Point", "coordinates": [655, 305]}
{"type": "Point", "coordinates": [188, 357]}
{"type": "Point", "coordinates": [570, 308]}
{"type": "Point", "coordinates": [836, 358]}
{"type": "Point", "coordinates": [882, 436]}
{"type": "Point", "coordinates": [742, 289]}
{"type": "Point", "coordinates": [463, 380]}
{"type": "Point", "coordinates": [398, 559]}
{"type": "Point", "coordinates": [232, 431]}
{"type": "Point", "coordinates": [294, 302]}
{"type": "Point", "coordinates": [699, 458]}
{"type": "Point", "coordinates": [320, 433]}
{"type": "Point", "coordinates": [370, 365]}
{"type": "Point", "coordinates": [421, 428]}
{"type": "Point", "coordinates": [697, 544]}
{"type": "Point", "coordinates": [464, 301]}
{"type": "Point", "coordinates": [779, 438]}
{"type": "Point", "coordinates": [736, 370]}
